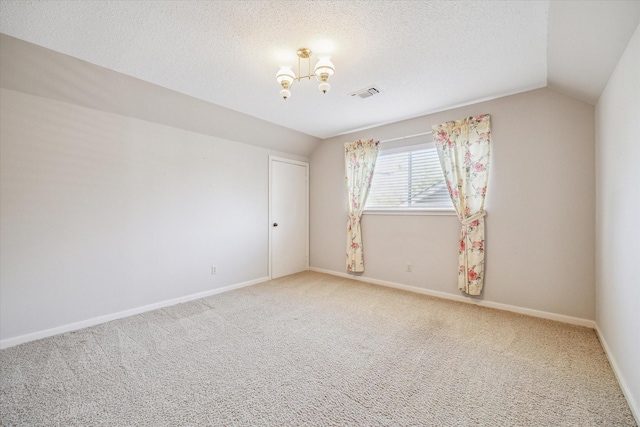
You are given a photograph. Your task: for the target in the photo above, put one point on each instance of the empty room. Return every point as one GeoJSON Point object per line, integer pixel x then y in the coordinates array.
{"type": "Point", "coordinates": [319, 213]}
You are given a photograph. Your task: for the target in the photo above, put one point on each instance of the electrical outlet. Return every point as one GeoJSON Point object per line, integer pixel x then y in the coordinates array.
{"type": "Point", "coordinates": [213, 270]}
{"type": "Point", "coordinates": [409, 268]}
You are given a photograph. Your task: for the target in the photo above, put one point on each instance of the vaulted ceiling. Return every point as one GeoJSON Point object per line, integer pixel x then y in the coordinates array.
{"type": "Point", "coordinates": [425, 56]}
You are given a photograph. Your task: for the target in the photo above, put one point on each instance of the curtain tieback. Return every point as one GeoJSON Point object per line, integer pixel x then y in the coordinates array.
{"type": "Point", "coordinates": [353, 217]}
{"type": "Point", "coordinates": [474, 217]}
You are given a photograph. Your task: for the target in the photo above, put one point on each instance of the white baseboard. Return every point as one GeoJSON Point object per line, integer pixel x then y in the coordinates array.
{"type": "Point", "coordinates": [635, 409]}
{"type": "Point", "coordinates": [10, 342]}
{"type": "Point", "coordinates": [521, 310]}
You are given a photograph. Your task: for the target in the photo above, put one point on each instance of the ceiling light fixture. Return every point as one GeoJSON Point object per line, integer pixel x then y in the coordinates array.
{"type": "Point", "coordinates": [323, 70]}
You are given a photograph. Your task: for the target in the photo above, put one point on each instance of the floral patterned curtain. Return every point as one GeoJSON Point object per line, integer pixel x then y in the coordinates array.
{"type": "Point", "coordinates": [359, 162]}
{"type": "Point", "coordinates": [463, 148]}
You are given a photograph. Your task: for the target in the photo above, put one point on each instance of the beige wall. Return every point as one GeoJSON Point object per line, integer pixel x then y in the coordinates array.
{"type": "Point", "coordinates": [117, 194]}
{"type": "Point", "coordinates": [102, 213]}
{"type": "Point", "coordinates": [540, 204]}
{"type": "Point", "coordinates": [617, 231]}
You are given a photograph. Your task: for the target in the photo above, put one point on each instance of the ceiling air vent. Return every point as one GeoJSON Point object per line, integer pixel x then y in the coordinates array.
{"type": "Point", "coordinates": [366, 92]}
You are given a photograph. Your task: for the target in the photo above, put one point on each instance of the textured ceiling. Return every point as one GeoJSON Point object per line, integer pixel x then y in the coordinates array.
{"type": "Point", "coordinates": [426, 56]}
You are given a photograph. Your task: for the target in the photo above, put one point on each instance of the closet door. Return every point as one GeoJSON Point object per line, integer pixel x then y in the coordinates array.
{"type": "Point", "coordinates": [288, 216]}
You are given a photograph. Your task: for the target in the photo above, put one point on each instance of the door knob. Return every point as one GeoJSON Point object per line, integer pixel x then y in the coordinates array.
{"type": "Point", "coordinates": [275, 224]}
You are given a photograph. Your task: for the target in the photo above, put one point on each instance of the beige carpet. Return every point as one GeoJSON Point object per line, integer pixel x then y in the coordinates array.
{"type": "Point", "coordinates": [315, 350]}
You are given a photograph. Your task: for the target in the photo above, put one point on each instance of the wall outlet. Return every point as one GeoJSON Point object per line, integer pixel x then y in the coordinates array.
{"type": "Point", "coordinates": [213, 270]}
{"type": "Point", "coordinates": [409, 268]}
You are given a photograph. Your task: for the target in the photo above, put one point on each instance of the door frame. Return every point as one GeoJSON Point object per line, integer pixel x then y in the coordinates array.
{"type": "Point", "coordinates": [293, 162]}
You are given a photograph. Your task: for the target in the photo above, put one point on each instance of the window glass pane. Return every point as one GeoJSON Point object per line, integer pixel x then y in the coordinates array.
{"type": "Point", "coordinates": [408, 179]}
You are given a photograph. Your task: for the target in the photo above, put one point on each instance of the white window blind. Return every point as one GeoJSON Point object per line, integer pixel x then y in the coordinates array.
{"type": "Point", "coordinates": [408, 178]}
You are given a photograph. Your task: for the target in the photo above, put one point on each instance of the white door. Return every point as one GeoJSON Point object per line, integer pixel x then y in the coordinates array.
{"type": "Point", "coordinates": [288, 217]}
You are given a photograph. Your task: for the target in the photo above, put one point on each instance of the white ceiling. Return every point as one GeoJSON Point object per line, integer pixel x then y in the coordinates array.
{"type": "Point", "coordinates": [426, 56]}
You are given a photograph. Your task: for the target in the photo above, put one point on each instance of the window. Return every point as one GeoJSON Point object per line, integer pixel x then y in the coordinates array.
{"type": "Point", "coordinates": [408, 178]}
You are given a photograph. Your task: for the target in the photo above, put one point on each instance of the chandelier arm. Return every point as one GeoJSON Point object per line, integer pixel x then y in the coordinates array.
{"type": "Point", "coordinates": [309, 75]}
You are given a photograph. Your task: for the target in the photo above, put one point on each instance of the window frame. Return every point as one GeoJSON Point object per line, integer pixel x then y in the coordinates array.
{"type": "Point", "coordinates": [408, 211]}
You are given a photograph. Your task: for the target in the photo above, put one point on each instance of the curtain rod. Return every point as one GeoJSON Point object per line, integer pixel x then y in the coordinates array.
{"type": "Point", "coordinates": [406, 137]}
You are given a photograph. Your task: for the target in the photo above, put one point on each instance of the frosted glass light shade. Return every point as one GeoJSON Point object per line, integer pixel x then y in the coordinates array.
{"type": "Point", "coordinates": [285, 75]}
{"type": "Point", "coordinates": [324, 66]}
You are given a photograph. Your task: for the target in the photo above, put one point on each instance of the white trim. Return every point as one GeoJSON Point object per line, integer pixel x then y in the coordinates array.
{"type": "Point", "coordinates": [410, 212]}
{"type": "Point", "coordinates": [415, 135]}
{"type": "Point", "coordinates": [294, 162]}
{"type": "Point", "coordinates": [482, 303]}
{"type": "Point", "coordinates": [635, 410]}
{"type": "Point", "coordinates": [440, 110]}
{"type": "Point", "coordinates": [10, 342]}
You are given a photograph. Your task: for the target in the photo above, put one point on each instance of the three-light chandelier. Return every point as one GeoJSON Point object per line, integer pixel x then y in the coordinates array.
{"type": "Point", "coordinates": [323, 70]}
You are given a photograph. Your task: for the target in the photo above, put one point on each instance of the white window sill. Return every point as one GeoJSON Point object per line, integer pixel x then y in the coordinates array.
{"type": "Point", "coordinates": [406, 212]}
